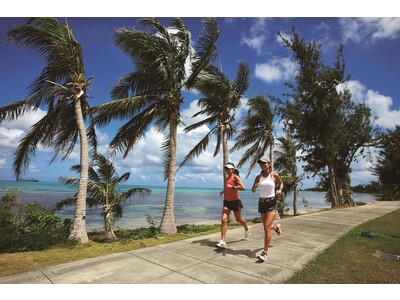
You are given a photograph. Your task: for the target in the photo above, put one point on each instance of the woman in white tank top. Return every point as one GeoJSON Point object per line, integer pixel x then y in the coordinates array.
{"type": "Point", "coordinates": [267, 204]}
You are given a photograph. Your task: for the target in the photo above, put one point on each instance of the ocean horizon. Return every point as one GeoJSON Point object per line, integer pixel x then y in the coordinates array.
{"type": "Point", "coordinates": [191, 205]}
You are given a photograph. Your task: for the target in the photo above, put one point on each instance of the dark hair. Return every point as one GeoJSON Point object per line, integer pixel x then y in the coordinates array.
{"type": "Point", "coordinates": [236, 172]}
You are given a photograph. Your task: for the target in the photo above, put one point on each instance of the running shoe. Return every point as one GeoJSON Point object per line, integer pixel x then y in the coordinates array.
{"type": "Point", "coordinates": [278, 230]}
{"type": "Point", "coordinates": [247, 232]}
{"type": "Point", "coordinates": [263, 256]}
{"type": "Point", "coordinates": [221, 244]}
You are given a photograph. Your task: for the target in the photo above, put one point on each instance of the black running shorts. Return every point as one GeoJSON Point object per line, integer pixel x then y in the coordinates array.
{"type": "Point", "coordinates": [234, 205]}
{"type": "Point", "coordinates": [266, 205]}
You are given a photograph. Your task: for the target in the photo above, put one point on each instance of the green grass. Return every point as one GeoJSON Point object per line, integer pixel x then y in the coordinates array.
{"type": "Point", "coordinates": [353, 258]}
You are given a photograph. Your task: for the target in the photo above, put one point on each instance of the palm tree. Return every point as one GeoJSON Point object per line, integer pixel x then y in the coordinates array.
{"type": "Point", "coordinates": [258, 131]}
{"type": "Point", "coordinates": [286, 165]}
{"type": "Point", "coordinates": [222, 99]}
{"type": "Point", "coordinates": [152, 94]}
{"type": "Point", "coordinates": [61, 87]}
{"type": "Point", "coordinates": [102, 188]}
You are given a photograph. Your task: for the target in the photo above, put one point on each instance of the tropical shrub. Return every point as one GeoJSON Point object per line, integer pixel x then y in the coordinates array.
{"type": "Point", "coordinates": [30, 227]}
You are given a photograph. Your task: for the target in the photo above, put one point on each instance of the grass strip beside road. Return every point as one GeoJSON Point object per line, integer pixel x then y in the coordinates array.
{"type": "Point", "coordinates": [354, 258]}
{"type": "Point", "coordinates": [20, 262]}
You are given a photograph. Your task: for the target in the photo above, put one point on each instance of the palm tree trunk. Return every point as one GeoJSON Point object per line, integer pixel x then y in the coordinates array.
{"type": "Point", "coordinates": [78, 232]}
{"type": "Point", "coordinates": [225, 154]}
{"type": "Point", "coordinates": [271, 152]}
{"type": "Point", "coordinates": [168, 224]}
{"type": "Point", "coordinates": [109, 232]}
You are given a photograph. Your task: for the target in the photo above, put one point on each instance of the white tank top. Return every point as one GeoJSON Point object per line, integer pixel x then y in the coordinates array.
{"type": "Point", "coordinates": [266, 186]}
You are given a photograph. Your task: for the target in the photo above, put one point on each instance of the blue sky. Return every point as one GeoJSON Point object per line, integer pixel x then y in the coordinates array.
{"type": "Point", "coordinates": [371, 54]}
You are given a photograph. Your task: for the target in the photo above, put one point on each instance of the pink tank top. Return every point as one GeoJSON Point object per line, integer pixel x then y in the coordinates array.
{"type": "Point", "coordinates": [230, 193]}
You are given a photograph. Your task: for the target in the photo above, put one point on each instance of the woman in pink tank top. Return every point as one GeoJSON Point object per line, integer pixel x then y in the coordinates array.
{"type": "Point", "coordinates": [232, 201]}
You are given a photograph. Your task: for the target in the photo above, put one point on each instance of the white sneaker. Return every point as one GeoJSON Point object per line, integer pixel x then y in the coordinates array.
{"type": "Point", "coordinates": [247, 232]}
{"type": "Point", "coordinates": [278, 230]}
{"type": "Point", "coordinates": [221, 244]}
{"type": "Point", "coordinates": [263, 256]}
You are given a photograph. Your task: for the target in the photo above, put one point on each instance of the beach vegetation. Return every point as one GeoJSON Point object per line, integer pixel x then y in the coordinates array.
{"type": "Point", "coordinates": [373, 187]}
{"type": "Point", "coordinates": [129, 239]}
{"type": "Point", "coordinates": [286, 166]}
{"type": "Point", "coordinates": [387, 166]}
{"type": "Point", "coordinates": [29, 227]}
{"type": "Point", "coordinates": [258, 131]}
{"type": "Point", "coordinates": [103, 190]}
{"type": "Point", "coordinates": [152, 93]}
{"type": "Point", "coordinates": [321, 115]}
{"type": "Point", "coordinates": [61, 88]}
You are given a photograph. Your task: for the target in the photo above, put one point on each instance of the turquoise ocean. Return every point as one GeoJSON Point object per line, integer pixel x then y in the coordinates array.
{"type": "Point", "coordinates": [192, 205]}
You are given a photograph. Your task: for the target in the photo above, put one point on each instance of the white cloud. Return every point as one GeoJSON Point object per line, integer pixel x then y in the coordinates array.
{"type": "Point", "coordinates": [254, 42]}
{"type": "Point", "coordinates": [361, 30]}
{"type": "Point", "coordinates": [33, 169]}
{"type": "Point", "coordinates": [9, 141]}
{"type": "Point", "coordinates": [277, 69]}
{"type": "Point", "coordinates": [9, 138]}
{"type": "Point", "coordinates": [11, 132]}
{"type": "Point", "coordinates": [3, 163]}
{"type": "Point", "coordinates": [380, 105]}
{"type": "Point", "coordinates": [257, 35]}
{"type": "Point", "coordinates": [26, 121]}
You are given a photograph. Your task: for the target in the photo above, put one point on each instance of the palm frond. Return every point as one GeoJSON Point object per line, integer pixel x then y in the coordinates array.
{"type": "Point", "coordinates": [166, 154]}
{"type": "Point", "coordinates": [257, 131]}
{"type": "Point", "coordinates": [66, 202]}
{"type": "Point", "coordinates": [69, 180]}
{"type": "Point", "coordinates": [41, 132]}
{"type": "Point", "coordinates": [242, 79]}
{"type": "Point", "coordinates": [198, 149]}
{"type": "Point", "coordinates": [131, 131]}
{"type": "Point", "coordinates": [119, 109]}
{"type": "Point", "coordinates": [135, 84]}
{"type": "Point", "coordinates": [206, 49]}
{"type": "Point", "coordinates": [13, 111]}
{"type": "Point", "coordinates": [92, 138]}
{"type": "Point", "coordinates": [207, 121]}
{"type": "Point", "coordinates": [132, 192]}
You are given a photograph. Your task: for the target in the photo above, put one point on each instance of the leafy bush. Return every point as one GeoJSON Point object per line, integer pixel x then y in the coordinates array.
{"type": "Point", "coordinates": [9, 220]}
{"type": "Point", "coordinates": [31, 228]}
{"type": "Point", "coordinates": [41, 228]}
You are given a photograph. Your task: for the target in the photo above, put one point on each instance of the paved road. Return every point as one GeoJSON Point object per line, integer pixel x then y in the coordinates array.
{"type": "Point", "coordinates": [197, 260]}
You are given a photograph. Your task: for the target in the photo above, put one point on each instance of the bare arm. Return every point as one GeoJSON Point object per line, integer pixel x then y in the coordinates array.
{"type": "Point", "coordinates": [278, 180]}
{"type": "Point", "coordinates": [255, 184]}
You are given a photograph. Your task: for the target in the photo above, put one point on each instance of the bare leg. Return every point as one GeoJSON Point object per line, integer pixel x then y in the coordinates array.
{"type": "Point", "coordinates": [267, 220]}
{"type": "Point", "coordinates": [224, 222]}
{"type": "Point", "coordinates": [239, 219]}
